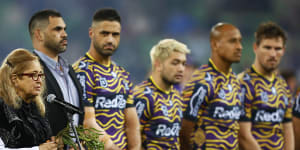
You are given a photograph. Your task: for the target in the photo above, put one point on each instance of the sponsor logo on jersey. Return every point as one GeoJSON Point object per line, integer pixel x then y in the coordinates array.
{"type": "Point", "coordinates": [265, 116]}
{"type": "Point", "coordinates": [164, 130]}
{"type": "Point", "coordinates": [147, 90]}
{"type": "Point", "coordinates": [82, 81]}
{"type": "Point", "coordinates": [208, 77]}
{"type": "Point", "coordinates": [82, 65]}
{"type": "Point", "coordinates": [297, 104]}
{"type": "Point", "coordinates": [114, 75]}
{"type": "Point", "coordinates": [119, 101]}
{"type": "Point", "coordinates": [274, 91]}
{"type": "Point", "coordinates": [229, 88]}
{"type": "Point", "coordinates": [227, 113]}
{"type": "Point", "coordinates": [140, 106]}
{"type": "Point", "coordinates": [196, 101]}
{"type": "Point", "coordinates": [246, 77]}
{"type": "Point", "coordinates": [242, 95]}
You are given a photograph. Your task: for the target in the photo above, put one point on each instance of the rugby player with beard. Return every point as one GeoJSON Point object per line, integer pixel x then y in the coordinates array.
{"type": "Point", "coordinates": [158, 103]}
{"type": "Point", "coordinates": [267, 119]}
{"type": "Point", "coordinates": [107, 87]}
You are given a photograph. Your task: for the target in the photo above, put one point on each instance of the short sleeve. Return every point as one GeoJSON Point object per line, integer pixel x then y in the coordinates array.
{"type": "Point", "coordinates": [247, 96]}
{"type": "Point", "coordinates": [194, 95]}
{"type": "Point", "coordinates": [296, 109]}
{"type": "Point", "coordinates": [85, 76]}
{"type": "Point", "coordinates": [130, 100]}
{"type": "Point", "coordinates": [289, 110]}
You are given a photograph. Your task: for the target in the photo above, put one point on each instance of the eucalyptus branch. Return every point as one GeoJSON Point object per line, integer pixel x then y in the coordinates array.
{"type": "Point", "coordinates": [89, 137]}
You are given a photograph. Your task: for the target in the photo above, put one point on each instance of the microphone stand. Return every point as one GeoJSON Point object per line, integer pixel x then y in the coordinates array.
{"type": "Point", "coordinates": [70, 119]}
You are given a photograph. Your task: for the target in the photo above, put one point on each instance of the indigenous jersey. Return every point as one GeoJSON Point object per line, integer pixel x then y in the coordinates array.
{"type": "Point", "coordinates": [212, 100]}
{"type": "Point", "coordinates": [160, 115]}
{"type": "Point", "coordinates": [296, 109]}
{"type": "Point", "coordinates": [106, 88]}
{"type": "Point", "coordinates": [267, 104]}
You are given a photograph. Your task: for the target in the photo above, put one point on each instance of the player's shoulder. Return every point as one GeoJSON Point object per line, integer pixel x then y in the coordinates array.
{"type": "Point", "coordinates": [246, 75]}
{"type": "Point", "coordinates": [143, 89]}
{"type": "Point", "coordinates": [83, 63]}
{"type": "Point", "coordinates": [282, 80]}
{"type": "Point", "coordinates": [202, 74]}
{"type": "Point", "coordinates": [120, 68]}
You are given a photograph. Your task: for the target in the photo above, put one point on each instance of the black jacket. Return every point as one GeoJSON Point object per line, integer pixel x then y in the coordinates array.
{"type": "Point", "coordinates": [55, 114]}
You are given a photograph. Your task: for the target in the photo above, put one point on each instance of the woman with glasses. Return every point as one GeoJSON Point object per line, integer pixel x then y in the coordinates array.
{"type": "Point", "coordinates": [22, 110]}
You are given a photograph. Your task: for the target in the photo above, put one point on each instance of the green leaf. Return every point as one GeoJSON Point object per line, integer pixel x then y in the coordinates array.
{"type": "Point", "coordinates": [89, 137]}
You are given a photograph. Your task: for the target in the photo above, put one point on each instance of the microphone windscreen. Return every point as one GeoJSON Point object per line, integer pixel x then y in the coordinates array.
{"type": "Point", "coordinates": [51, 98]}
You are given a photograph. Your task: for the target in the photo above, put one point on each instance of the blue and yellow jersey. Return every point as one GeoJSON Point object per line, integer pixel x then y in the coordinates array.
{"type": "Point", "coordinates": [212, 100]}
{"type": "Point", "coordinates": [267, 104]}
{"type": "Point", "coordinates": [160, 115]}
{"type": "Point", "coordinates": [108, 90]}
{"type": "Point", "coordinates": [296, 104]}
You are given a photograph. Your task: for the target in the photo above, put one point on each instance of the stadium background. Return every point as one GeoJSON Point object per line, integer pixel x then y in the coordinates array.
{"type": "Point", "coordinates": [145, 22]}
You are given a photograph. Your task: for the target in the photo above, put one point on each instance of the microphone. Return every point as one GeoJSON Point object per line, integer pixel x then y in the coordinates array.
{"type": "Point", "coordinates": [51, 98]}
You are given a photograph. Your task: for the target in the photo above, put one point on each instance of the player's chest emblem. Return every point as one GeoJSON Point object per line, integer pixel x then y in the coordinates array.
{"type": "Point", "coordinates": [164, 110]}
{"type": "Point", "coordinates": [264, 96]}
{"type": "Point", "coordinates": [114, 75]}
{"type": "Point", "coordinates": [229, 88]}
{"type": "Point", "coordinates": [222, 94]}
{"type": "Point", "coordinates": [103, 82]}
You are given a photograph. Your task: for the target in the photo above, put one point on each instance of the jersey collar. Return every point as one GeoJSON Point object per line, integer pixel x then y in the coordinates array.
{"type": "Point", "coordinates": [212, 64]}
{"type": "Point", "coordinates": [159, 88]}
{"type": "Point", "coordinates": [92, 58]}
{"type": "Point", "coordinates": [269, 79]}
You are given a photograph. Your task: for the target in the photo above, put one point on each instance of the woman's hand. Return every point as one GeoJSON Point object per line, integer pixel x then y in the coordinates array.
{"type": "Point", "coordinates": [48, 146]}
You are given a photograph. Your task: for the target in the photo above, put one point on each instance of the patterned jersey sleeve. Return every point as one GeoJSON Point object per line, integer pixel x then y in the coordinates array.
{"type": "Point", "coordinates": [289, 111]}
{"type": "Point", "coordinates": [296, 109]}
{"type": "Point", "coordinates": [85, 76]}
{"type": "Point", "coordinates": [130, 100]}
{"type": "Point", "coordinates": [247, 96]}
{"type": "Point", "coordinates": [196, 94]}
{"type": "Point", "coordinates": [144, 105]}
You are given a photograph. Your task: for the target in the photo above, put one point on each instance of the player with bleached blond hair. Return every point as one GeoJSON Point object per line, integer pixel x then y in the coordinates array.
{"type": "Point", "coordinates": [158, 103]}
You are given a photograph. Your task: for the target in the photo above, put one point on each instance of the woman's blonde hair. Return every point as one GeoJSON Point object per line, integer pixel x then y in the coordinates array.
{"type": "Point", "coordinates": [17, 62]}
{"type": "Point", "coordinates": [164, 48]}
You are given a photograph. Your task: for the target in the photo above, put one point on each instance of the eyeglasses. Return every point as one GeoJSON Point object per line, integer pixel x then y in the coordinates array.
{"type": "Point", "coordinates": [34, 76]}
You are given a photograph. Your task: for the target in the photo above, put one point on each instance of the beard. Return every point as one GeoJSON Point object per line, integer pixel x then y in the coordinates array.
{"type": "Point", "coordinates": [269, 69]}
{"type": "Point", "coordinates": [168, 81]}
{"type": "Point", "coordinates": [55, 47]}
{"type": "Point", "coordinates": [104, 52]}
